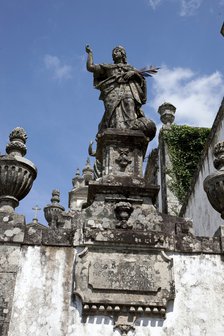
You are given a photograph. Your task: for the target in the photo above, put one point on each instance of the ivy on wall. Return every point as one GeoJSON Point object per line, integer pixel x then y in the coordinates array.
{"type": "Point", "coordinates": [185, 146]}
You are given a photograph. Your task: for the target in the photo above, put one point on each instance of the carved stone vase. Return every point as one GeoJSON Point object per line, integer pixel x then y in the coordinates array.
{"type": "Point", "coordinates": [214, 183]}
{"type": "Point", "coordinates": [16, 172]}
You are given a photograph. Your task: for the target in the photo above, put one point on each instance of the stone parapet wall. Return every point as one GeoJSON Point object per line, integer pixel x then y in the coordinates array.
{"type": "Point", "coordinates": [43, 303]}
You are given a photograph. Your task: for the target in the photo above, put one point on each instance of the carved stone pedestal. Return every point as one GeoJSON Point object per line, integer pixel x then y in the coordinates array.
{"type": "Point", "coordinates": [121, 152]}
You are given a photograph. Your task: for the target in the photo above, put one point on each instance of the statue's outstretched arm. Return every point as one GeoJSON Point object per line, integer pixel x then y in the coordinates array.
{"type": "Point", "coordinates": [89, 64]}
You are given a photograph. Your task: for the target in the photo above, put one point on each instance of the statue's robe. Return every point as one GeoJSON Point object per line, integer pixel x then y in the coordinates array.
{"type": "Point", "coordinates": [122, 98]}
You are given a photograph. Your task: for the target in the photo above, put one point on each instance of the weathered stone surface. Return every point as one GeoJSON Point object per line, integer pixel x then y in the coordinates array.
{"type": "Point", "coordinates": [12, 227]}
{"type": "Point", "coordinates": [199, 296]}
{"type": "Point", "coordinates": [9, 263]}
{"type": "Point", "coordinates": [102, 215]}
{"type": "Point", "coordinates": [9, 258]}
{"type": "Point", "coordinates": [63, 237]}
{"type": "Point", "coordinates": [144, 225]}
{"type": "Point", "coordinates": [42, 303]}
{"type": "Point", "coordinates": [42, 292]}
{"type": "Point", "coordinates": [34, 233]}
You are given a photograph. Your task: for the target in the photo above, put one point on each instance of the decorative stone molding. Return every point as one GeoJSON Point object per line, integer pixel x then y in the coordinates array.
{"type": "Point", "coordinates": [16, 173]}
{"type": "Point", "coordinates": [214, 183]}
{"type": "Point", "coordinates": [167, 113]}
{"type": "Point", "coordinates": [53, 211]}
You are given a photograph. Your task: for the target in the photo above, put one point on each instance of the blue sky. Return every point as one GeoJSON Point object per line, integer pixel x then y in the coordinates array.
{"type": "Point", "coordinates": [45, 88]}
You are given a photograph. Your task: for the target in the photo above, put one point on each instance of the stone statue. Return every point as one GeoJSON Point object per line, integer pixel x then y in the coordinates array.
{"type": "Point", "coordinates": [123, 91]}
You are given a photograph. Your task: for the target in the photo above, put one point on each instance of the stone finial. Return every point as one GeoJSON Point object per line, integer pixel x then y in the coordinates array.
{"type": "Point", "coordinates": [88, 172]}
{"type": "Point", "coordinates": [16, 173]}
{"type": "Point", "coordinates": [167, 113]}
{"type": "Point", "coordinates": [17, 146]}
{"type": "Point", "coordinates": [52, 211]}
{"type": "Point", "coordinates": [77, 180]}
{"type": "Point", "coordinates": [214, 183]}
{"type": "Point", "coordinates": [55, 199]}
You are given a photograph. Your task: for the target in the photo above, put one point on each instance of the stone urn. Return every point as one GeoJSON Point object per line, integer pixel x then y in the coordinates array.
{"type": "Point", "coordinates": [53, 211]}
{"type": "Point", "coordinates": [16, 172]}
{"type": "Point", "coordinates": [214, 183]}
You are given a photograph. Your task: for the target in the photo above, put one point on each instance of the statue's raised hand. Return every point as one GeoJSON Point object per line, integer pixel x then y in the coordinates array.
{"type": "Point", "coordinates": [88, 49]}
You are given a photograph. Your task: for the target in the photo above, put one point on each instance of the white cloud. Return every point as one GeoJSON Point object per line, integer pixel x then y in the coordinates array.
{"type": "Point", "coordinates": [189, 7]}
{"type": "Point", "coordinates": [60, 71]}
{"type": "Point", "coordinates": [197, 98]}
{"type": "Point", "coordinates": [154, 3]}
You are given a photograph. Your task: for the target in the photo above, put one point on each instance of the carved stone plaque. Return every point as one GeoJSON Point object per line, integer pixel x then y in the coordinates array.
{"type": "Point", "coordinates": [123, 275]}
{"type": "Point", "coordinates": [123, 279]}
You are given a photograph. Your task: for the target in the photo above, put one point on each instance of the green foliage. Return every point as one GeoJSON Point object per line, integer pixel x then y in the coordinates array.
{"type": "Point", "coordinates": [185, 145]}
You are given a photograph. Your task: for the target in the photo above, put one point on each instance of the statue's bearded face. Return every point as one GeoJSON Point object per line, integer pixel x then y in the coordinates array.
{"type": "Point", "coordinates": [119, 55]}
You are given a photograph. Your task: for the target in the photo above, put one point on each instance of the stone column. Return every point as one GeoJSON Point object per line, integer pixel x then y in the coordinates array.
{"type": "Point", "coordinates": [168, 202]}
